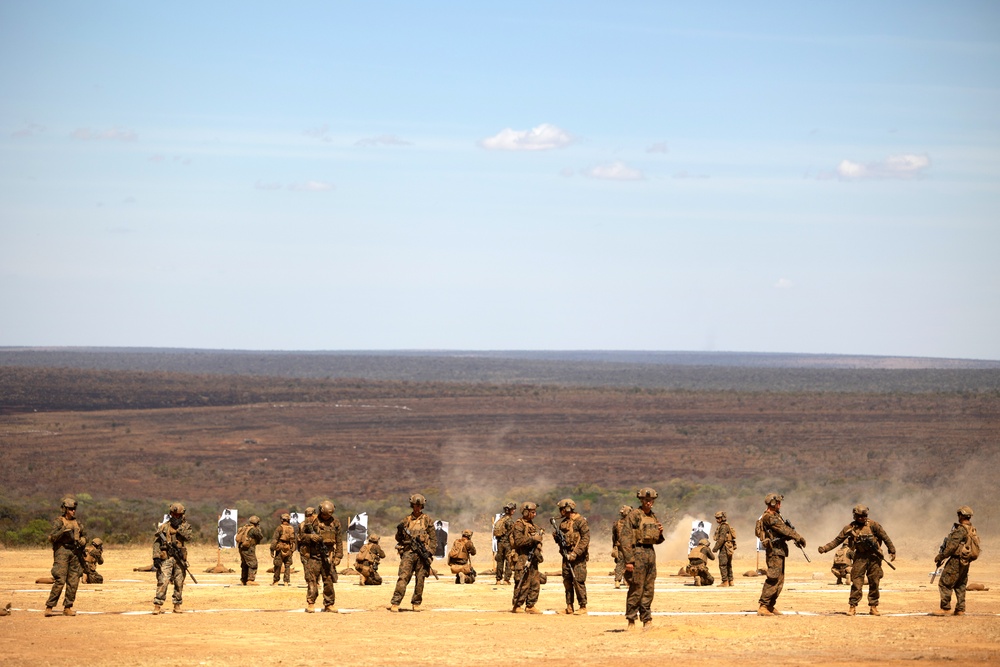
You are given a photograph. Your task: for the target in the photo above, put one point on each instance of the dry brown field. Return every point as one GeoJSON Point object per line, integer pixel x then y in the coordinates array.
{"type": "Point", "coordinates": [231, 624]}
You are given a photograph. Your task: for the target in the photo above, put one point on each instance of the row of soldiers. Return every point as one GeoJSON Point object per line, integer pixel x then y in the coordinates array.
{"type": "Point", "coordinates": [519, 554]}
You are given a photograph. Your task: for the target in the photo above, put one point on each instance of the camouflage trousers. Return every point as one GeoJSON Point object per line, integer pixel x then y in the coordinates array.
{"type": "Point", "coordinates": [865, 566]}
{"type": "Point", "coordinates": [316, 569]}
{"type": "Point", "coordinates": [170, 572]}
{"type": "Point", "coordinates": [577, 586]}
{"type": "Point", "coordinates": [528, 586]}
{"type": "Point", "coordinates": [841, 571]}
{"type": "Point", "coordinates": [66, 573]}
{"type": "Point", "coordinates": [954, 577]}
{"type": "Point", "coordinates": [619, 569]}
{"type": "Point", "coordinates": [92, 576]}
{"type": "Point", "coordinates": [369, 575]}
{"type": "Point", "coordinates": [700, 572]}
{"type": "Point", "coordinates": [725, 565]}
{"type": "Point", "coordinates": [504, 569]}
{"type": "Point", "coordinates": [410, 565]}
{"type": "Point", "coordinates": [463, 568]}
{"type": "Point", "coordinates": [641, 585]}
{"type": "Point", "coordinates": [281, 561]}
{"type": "Point", "coordinates": [248, 564]}
{"type": "Point", "coordinates": [775, 579]}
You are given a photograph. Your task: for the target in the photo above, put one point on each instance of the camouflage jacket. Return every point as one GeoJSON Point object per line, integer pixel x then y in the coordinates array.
{"type": "Point", "coordinates": [67, 534]}
{"type": "Point", "coordinates": [864, 539]}
{"type": "Point", "coordinates": [640, 530]}
{"type": "Point", "coordinates": [725, 537]}
{"type": "Point", "coordinates": [525, 539]}
{"type": "Point", "coordinates": [370, 553]}
{"type": "Point", "coordinates": [326, 532]}
{"type": "Point", "coordinates": [167, 533]}
{"type": "Point", "coordinates": [577, 533]}
{"type": "Point", "coordinates": [420, 528]}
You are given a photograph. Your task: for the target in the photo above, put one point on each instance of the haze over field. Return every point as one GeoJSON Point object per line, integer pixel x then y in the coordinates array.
{"type": "Point", "coordinates": [571, 176]}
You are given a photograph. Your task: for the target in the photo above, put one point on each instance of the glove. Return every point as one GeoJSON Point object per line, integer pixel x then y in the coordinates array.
{"type": "Point", "coordinates": [801, 542]}
{"type": "Point", "coordinates": [821, 550]}
{"type": "Point", "coordinates": [892, 557]}
{"type": "Point", "coordinates": [571, 557]}
{"type": "Point", "coordinates": [938, 559]}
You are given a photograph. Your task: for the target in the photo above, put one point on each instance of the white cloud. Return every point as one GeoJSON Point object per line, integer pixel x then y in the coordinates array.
{"type": "Point", "coordinates": [383, 140]}
{"type": "Point", "coordinates": [903, 167]}
{"type": "Point", "coordinates": [320, 132]}
{"type": "Point", "coordinates": [658, 147]}
{"type": "Point", "coordinates": [29, 130]}
{"type": "Point", "coordinates": [615, 171]}
{"type": "Point", "coordinates": [783, 283]}
{"type": "Point", "coordinates": [311, 186]}
{"type": "Point", "coordinates": [114, 134]}
{"type": "Point", "coordinates": [542, 138]}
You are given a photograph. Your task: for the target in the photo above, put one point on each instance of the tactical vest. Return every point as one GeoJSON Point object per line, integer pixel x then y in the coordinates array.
{"type": "Point", "coordinates": [648, 532]}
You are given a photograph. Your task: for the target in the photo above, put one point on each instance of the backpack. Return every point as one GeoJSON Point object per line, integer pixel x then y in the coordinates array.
{"type": "Point", "coordinates": [243, 537]}
{"type": "Point", "coordinates": [969, 551]}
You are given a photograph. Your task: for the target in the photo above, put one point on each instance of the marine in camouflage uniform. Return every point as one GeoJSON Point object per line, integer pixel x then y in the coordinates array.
{"type": "Point", "coordinates": [865, 538]}
{"type": "Point", "coordinates": [283, 545]}
{"type": "Point", "coordinates": [310, 517]}
{"type": "Point", "coordinates": [93, 556]}
{"type": "Point", "coordinates": [697, 567]}
{"type": "Point", "coordinates": [176, 532]}
{"type": "Point", "coordinates": [725, 545]}
{"type": "Point", "coordinates": [252, 536]}
{"type": "Point", "coordinates": [774, 533]}
{"type": "Point", "coordinates": [576, 532]}
{"type": "Point", "coordinates": [322, 538]}
{"type": "Point", "coordinates": [842, 564]}
{"type": "Point", "coordinates": [367, 561]}
{"type": "Point", "coordinates": [640, 533]}
{"type": "Point", "coordinates": [616, 551]}
{"type": "Point", "coordinates": [956, 556]}
{"type": "Point", "coordinates": [460, 559]}
{"type": "Point", "coordinates": [415, 526]}
{"type": "Point", "coordinates": [526, 542]}
{"type": "Point", "coordinates": [68, 539]}
{"type": "Point", "coordinates": [501, 531]}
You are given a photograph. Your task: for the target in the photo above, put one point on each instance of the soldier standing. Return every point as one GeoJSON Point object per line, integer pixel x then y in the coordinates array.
{"type": "Point", "coordinates": [68, 540]}
{"type": "Point", "coordinates": [616, 550]}
{"type": "Point", "coordinates": [170, 558]}
{"type": "Point", "coordinates": [299, 544]}
{"type": "Point", "coordinates": [416, 527]}
{"type": "Point", "coordinates": [460, 559]}
{"type": "Point", "coordinates": [283, 546]}
{"type": "Point", "coordinates": [322, 537]}
{"type": "Point", "coordinates": [725, 545]}
{"type": "Point", "coordinates": [697, 567]}
{"type": "Point", "coordinates": [641, 531]}
{"type": "Point", "coordinates": [92, 557]}
{"type": "Point", "coordinates": [367, 561]}
{"type": "Point", "coordinates": [501, 531]}
{"type": "Point", "coordinates": [842, 564]}
{"type": "Point", "coordinates": [865, 538]}
{"type": "Point", "coordinates": [247, 539]}
{"type": "Point", "coordinates": [959, 549]}
{"type": "Point", "coordinates": [526, 541]}
{"type": "Point", "coordinates": [774, 532]}
{"type": "Point", "coordinates": [576, 533]}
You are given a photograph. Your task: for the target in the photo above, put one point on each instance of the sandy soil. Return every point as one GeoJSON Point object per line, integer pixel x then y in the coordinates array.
{"type": "Point", "coordinates": [232, 624]}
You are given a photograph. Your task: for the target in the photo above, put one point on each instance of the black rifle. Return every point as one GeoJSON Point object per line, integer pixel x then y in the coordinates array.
{"type": "Point", "coordinates": [422, 552]}
{"type": "Point", "coordinates": [173, 551]}
{"type": "Point", "coordinates": [564, 548]}
{"type": "Point", "coordinates": [872, 547]}
{"type": "Point", "coordinates": [528, 564]}
{"type": "Point", "coordinates": [789, 524]}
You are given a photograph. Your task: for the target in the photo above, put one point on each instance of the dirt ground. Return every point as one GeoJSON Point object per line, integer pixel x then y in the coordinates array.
{"type": "Point", "coordinates": [232, 624]}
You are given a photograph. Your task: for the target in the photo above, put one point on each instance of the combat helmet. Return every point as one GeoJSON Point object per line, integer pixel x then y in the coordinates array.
{"type": "Point", "coordinates": [566, 502]}
{"type": "Point", "coordinates": [374, 537]}
{"type": "Point", "coordinates": [466, 533]}
{"type": "Point", "coordinates": [528, 506]}
{"type": "Point", "coordinates": [327, 507]}
{"type": "Point", "coordinates": [860, 510]}
{"type": "Point", "coordinates": [646, 493]}
{"type": "Point", "coordinates": [177, 508]}
{"type": "Point", "coordinates": [254, 520]}
{"type": "Point", "coordinates": [97, 542]}
{"type": "Point", "coordinates": [510, 506]}
{"type": "Point", "coordinates": [965, 512]}
{"type": "Point", "coordinates": [703, 542]}
{"type": "Point", "coordinates": [68, 503]}
{"type": "Point", "coordinates": [417, 499]}
{"type": "Point", "coordinates": [624, 509]}
{"type": "Point", "coordinates": [286, 517]}
{"type": "Point", "coordinates": [773, 499]}
{"type": "Point", "coordinates": [720, 515]}
{"type": "Point", "coordinates": [310, 511]}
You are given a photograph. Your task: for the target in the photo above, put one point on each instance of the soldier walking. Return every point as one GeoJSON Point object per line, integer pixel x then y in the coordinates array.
{"type": "Point", "coordinates": [283, 544]}
{"type": "Point", "coordinates": [526, 541]}
{"type": "Point", "coordinates": [576, 534]}
{"type": "Point", "coordinates": [322, 537]}
{"type": "Point", "coordinates": [501, 531]}
{"type": "Point", "coordinates": [865, 538]}
{"type": "Point", "coordinates": [640, 533]}
{"type": "Point", "coordinates": [415, 530]}
{"type": "Point", "coordinates": [774, 532]}
{"type": "Point", "coordinates": [725, 545]}
{"type": "Point", "coordinates": [959, 549]}
{"type": "Point", "coordinates": [170, 558]}
{"type": "Point", "coordinates": [68, 539]}
{"type": "Point", "coordinates": [247, 539]}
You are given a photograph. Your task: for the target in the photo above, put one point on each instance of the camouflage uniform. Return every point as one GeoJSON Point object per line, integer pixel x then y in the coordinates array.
{"type": "Point", "coordinates": [725, 545]}
{"type": "Point", "coordinates": [248, 550]}
{"type": "Point", "coordinates": [641, 531]}
{"type": "Point", "coordinates": [842, 563]}
{"type": "Point", "coordinates": [177, 531]}
{"type": "Point", "coordinates": [460, 559]}
{"type": "Point", "coordinates": [697, 567]}
{"type": "Point", "coordinates": [865, 538]}
{"type": "Point", "coordinates": [616, 551]}
{"type": "Point", "coordinates": [93, 556]}
{"type": "Point", "coordinates": [68, 539]}
{"type": "Point", "coordinates": [283, 545]}
{"type": "Point", "coordinates": [956, 558]}
{"type": "Point", "coordinates": [774, 533]}
{"type": "Point", "coordinates": [526, 541]}
{"type": "Point", "coordinates": [414, 526]}
{"type": "Point", "coordinates": [576, 531]}
{"type": "Point", "coordinates": [367, 562]}
{"type": "Point", "coordinates": [501, 531]}
{"type": "Point", "coordinates": [322, 534]}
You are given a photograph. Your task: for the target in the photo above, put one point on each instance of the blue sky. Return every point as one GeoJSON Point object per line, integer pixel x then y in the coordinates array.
{"type": "Point", "coordinates": [785, 177]}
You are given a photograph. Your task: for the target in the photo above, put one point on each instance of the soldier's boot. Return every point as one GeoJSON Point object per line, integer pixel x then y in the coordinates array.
{"type": "Point", "coordinates": [415, 607]}
{"type": "Point", "coordinates": [630, 627]}
{"type": "Point", "coordinates": [49, 612]}
{"type": "Point", "coordinates": [177, 609]}
{"type": "Point", "coordinates": [532, 610]}
{"type": "Point", "coordinates": [69, 611]}
{"type": "Point", "coordinates": [310, 610]}
{"type": "Point", "coordinates": [959, 612]}
{"type": "Point", "coordinates": [157, 609]}
{"type": "Point", "coordinates": [252, 583]}
{"type": "Point", "coordinates": [618, 585]}
{"type": "Point", "coordinates": [647, 625]}
{"type": "Point", "coordinates": [774, 612]}
{"type": "Point", "coordinates": [274, 583]}
{"type": "Point", "coordinates": [873, 611]}
{"type": "Point", "coordinates": [697, 582]}
{"type": "Point", "coordinates": [569, 609]}
{"type": "Point", "coordinates": [517, 610]}
{"type": "Point", "coordinates": [394, 608]}
{"type": "Point", "coordinates": [852, 611]}
{"type": "Point", "coordinates": [330, 609]}
{"type": "Point", "coordinates": [764, 611]}
{"type": "Point", "coordinates": [582, 611]}
{"type": "Point", "coordinates": [940, 612]}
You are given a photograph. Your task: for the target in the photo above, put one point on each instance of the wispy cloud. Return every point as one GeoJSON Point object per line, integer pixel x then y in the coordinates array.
{"type": "Point", "coordinates": [783, 283]}
{"type": "Point", "coordinates": [682, 174]}
{"type": "Point", "coordinates": [321, 132]}
{"type": "Point", "coordinates": [261, 185]}
{"type": "Point", "coordinates": [28, 130]}
{"type": "Point", "coordinates": [658, 147]}
{"type": "Point", "coordinates": [114, 134]}
{"type": "Point", "coordinates": [615, 171]}
{"type": "Point", "coordinates": [383, 140]}
{"type": "Point", "coordinates": [311, 186]}
{"type": "Point", "coordinates": [542, 138]}
{"type": "Point", "coordinates": [907, 166]}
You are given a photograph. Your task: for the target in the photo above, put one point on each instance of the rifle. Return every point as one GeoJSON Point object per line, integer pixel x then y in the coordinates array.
{"type": "Point", "coordinates": [789, 524]}
{"type": "Point", "coordinates": [422, 552]}
{"type": "Point", "coordinates": [324, 550]}
{"type": "Point", "coordinates": [532, 560]}
{"type": "Point", "coordinates": [872, 545]}
{"type": "Point", "coordinates": [937, 566]}
{"type": "Point", "coordinates": [564, 548]}
{"type": "Point", "coordinates": [173, 551]}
